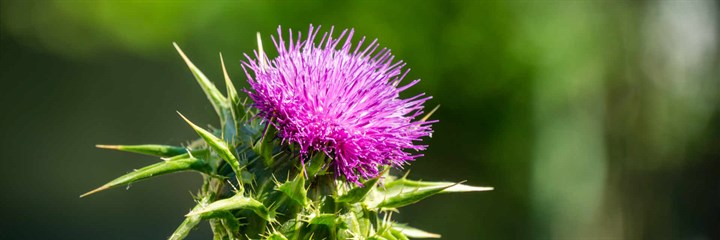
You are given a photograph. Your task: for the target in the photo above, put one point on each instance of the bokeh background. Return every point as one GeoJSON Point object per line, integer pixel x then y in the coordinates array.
{"type": "Point", "coordinates": [592, 119]}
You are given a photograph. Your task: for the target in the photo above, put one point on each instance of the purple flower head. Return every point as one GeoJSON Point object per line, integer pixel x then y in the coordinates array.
{"type": "Point", "coordinates": [338, 99]}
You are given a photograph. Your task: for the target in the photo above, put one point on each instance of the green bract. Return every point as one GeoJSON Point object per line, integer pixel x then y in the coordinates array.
{"type": "Point", "coordinates": [254, 187]}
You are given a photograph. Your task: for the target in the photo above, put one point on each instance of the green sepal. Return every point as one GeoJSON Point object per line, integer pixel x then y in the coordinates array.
{"type": "Point", "coordinates": [358, 194]}
{"type": "Point", "coordinates": [164, 167]}
{"type": "Point", "coordinates": [148, 149]}
{"type": "Point", "coordinates": [218, 101]}
{"type": "Point", "coordinates": [236, 202]}
{"type": "Point", "coordinates": [222, 148]}
{"type": "Point", "coordinates": [413, 232]}
{"type": "Point", "coordinates": [295, 190]}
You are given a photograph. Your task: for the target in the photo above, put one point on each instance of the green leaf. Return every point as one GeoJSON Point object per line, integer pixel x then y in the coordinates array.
{"type": "Point", "coordinates": [326, 219]}
{"type": "Point", "coordinates": [236, 202]}
{"type": "Point", "coordinates": [358, 194]}
{"type": "Point", "coordinates": [295, 189]}
{"type": "Point", "coordinates": [414, 232]}
{"type": "Point", "coordinates": [222, 148]}
{"type": "Point", "coordinates": [377, 238]}
{"type": "Point", "coordinates": [400, 199]}
{"type": "Point", "coordinates": [231, 123]}
{"type": "Point", "coordinates": [316, 164]}
{"type": "Point", "coordinates": [397, 234]}
{"type": "Point", "coordinates": [405, 184]}
{"type": "Point", "coordinates": [227, 219]}
{"type": "Point", "coordinates": [402, 192]}
{"type": "Point", "coordinates": [354, 226]}
{"type": "Point", "coordinates": [264, 146]}
{"type": "Point", "coordinates": [213, 94]}
{"type": "Point", "coordinates": [189, 223]}
{"type": "Point", "coordinates": [237, 107]}
{"type": "Point", "coordinates": [148, 149]}
{"type": "Point", "coordinates": [276, 236]}
{"type": "Point", "coordinates": [165, 167]}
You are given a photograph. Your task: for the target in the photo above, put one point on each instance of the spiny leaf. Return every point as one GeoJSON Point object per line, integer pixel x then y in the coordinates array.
{"type": "Point", "coordinates": [227, 219]}
{"type": "Point", "coordinates": [357, 194]}
{"type": "Point", "coordinates": [236, 202]}
{"type": "Point", "coordinates": [231, 91]}
{"type": "Point", "coordinates": [414, 232]}
{"type": "Point", "coordinates": [237, 107]}
{"type": "Point", "coordinates": [231, 124]}
{"type": "Point", "coordinates": [295, 189]}
{"type": "Point", "coordinates": [148, 149]}
{"type": "Point", "coordinates": [189, 223]}
{"type": "Point", "coordinates": [221, 147]}
{"type": "Point", "coordinates": [165, 167]}
{"type": "Point", "coordinates": [397, 194]}
{"type": "Point", "coordinates": [216, 98]}
{"type": "Point", "coordinates": [405, 184]}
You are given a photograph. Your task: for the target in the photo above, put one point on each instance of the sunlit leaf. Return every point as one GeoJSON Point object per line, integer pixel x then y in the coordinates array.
{"type": "Point", "coordinates": [148, 149]}
{"type": "Point", "coordinates": [221, 147]}
{"type": "Point", "coordinates": [165, 167]}
{"type": "Point", "coordinates": [402, 192]}
{"type": "Point", "coordinates": [358, 194]}
{"type": "Point", "coordinates": [235, 202]}
{"type": "Point", "coordinates": [218, 101]}
{"type": "Point", "coordinates": [276, 236]}
{"type": "Point", "coordinates": [326, 219]}
{"type": "Point", "coordinates": [188, 224]}
{"type": "Point", "coordinates": [414, 232]}
{"type": "Point", "coordinates": [295, 189]}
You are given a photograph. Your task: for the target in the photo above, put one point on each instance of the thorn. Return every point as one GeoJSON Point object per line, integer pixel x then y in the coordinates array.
{"type": "Point", "coordinates": [103, 187]}
{"type": "Point", "coordinates": [405, 175]}
{"type": "Point", "coordinates": [425, 118]}
{"type": "Point", "coordinates": [113, 147]}
{"type": "Point", "coordinates": [228, 82]}
{"type": "Point", "coordinates": [186, 120]}
{"type": "Point", "coordinates": [184, 57]}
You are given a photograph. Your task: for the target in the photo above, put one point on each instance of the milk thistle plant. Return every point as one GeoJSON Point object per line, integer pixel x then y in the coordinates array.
{"type": "Point", "coordinates": [309, 156]}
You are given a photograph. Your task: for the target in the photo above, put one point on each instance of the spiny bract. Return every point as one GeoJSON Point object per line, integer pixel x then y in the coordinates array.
{"type": "Point", "coordinates": [269, 179]}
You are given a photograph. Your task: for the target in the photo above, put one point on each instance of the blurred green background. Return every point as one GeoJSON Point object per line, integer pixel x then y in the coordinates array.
{"type": "Point", "coordinates": [592, 119]}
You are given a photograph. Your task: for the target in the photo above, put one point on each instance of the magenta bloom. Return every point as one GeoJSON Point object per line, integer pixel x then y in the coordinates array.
{"type": "Point", "coordinates": [338, 99]}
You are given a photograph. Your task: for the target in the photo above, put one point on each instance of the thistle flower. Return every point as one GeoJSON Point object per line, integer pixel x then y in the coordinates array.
{"type": "Point", "coordinates": [338, 99]}
{"type": "Point", "coordinates": [329, 102]}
